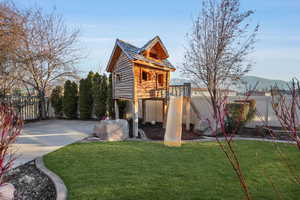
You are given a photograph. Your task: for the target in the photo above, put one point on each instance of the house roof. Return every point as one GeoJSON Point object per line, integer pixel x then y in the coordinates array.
{"type": "Point", "coordinates": [205, 90]}
{"type": "Point", "coordinates": [135, 53]}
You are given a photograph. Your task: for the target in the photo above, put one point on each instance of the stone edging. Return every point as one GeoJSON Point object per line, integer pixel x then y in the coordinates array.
{"type": "Point", "coordinates": [61, 189]}
{"type": "Point", "coordinates": [212, 139]}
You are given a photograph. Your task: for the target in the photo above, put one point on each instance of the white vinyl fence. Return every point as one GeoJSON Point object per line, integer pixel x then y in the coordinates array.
{"type": "Point", "coordinates": [265, 114]}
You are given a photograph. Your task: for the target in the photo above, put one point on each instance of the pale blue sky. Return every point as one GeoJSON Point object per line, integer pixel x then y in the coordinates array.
{"type": "Point", "coordinates": [277, 53]}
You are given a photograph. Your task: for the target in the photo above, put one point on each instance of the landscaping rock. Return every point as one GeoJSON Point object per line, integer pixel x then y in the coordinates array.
{"type": "Point", "coordinates": [112, 130]}
{"type": "Point", "coordinates": [7, 191]}
{"type": "Point", "coordinates": [201, 126]}
{"type": "Point", "coordinates": [204, 128]}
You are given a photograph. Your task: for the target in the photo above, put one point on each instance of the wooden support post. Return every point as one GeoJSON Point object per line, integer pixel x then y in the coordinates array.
{"type": "Point", "coordinates": [144, 110]}
{"type": "Point", "coordinates": [116, 109]}
{"type": "Point", "coordinates": [165, 112]}
{"type": "Point", "coordinates": [135, 116]}
{"type": "Point", "coordinates": [188, 113]}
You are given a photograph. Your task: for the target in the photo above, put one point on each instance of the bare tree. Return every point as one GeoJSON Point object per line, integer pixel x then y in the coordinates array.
{"type": "Point", "coordinates": [48, 52]}
{"type": "Point", "coordinates": [216, 55]}
{"type": "Point", "coordinates": [11, 31]}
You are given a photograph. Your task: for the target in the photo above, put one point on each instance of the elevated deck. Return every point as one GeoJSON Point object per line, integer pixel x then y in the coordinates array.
{"type": "Point", "coordinates": [173, 90]}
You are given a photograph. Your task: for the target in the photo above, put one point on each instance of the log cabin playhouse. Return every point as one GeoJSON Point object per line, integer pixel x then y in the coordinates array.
{"type": "Point", "coordinates": [141, 74]}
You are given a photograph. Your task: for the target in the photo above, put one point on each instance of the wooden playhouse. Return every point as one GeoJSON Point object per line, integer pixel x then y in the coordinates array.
{"type": "Point", "coordinates": [141, 74]}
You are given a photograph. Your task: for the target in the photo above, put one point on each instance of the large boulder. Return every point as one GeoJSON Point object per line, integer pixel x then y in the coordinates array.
{"type": "Point", "coordinates": [203, 127]}
{"type": "Point", "coordinates": [7, 191]}
{"type": "Point", "coordinates": [112, 130]}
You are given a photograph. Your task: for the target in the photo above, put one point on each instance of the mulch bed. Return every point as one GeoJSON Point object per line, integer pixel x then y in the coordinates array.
{"type": "Point", "coordinates": [157, 132]}
{"type": "Point", "coordinates": [31, 183]}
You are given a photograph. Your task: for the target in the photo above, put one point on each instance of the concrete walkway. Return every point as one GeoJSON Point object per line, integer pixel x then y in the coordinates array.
{"type": "Point", "coordinates": [40, 138]}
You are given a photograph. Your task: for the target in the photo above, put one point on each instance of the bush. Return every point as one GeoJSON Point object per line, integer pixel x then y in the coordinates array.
{"type": "Point", "coordinates": [86, 97]}
{"type": "Point", "coordinates": [56, 100]}
{"type": "Point", "coordinates": [70, 99]}
{"type": "Point", "coordinates": [239, 113]}
{"type": "Point", "coordinates": [252, 108]}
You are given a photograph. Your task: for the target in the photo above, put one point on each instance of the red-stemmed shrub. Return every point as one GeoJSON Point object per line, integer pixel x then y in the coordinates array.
{"type": "Point", "coordinates": [286, 105]}
{"type": "Point", "coordinates": [218, 127]}
{"type": "Point", "coordinates": [10, 128]}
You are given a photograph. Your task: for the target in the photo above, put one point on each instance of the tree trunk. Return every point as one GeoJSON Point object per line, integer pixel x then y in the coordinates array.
{"type": "Point", "coordinates": [42, 105]}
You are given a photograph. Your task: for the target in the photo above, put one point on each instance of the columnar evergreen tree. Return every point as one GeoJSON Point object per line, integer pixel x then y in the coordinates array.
{"type": "Point", "coordinates": [57, 100]}
{"type": "Point", "coordinates": [86, 97]}
{"type": "Point", "coordinates": [96, 94]}
{"type": "Point", "coordinates": [104, 88]}
{"type": "Point", "coordinates": [70, 99]}
{"type": "Point", "coordinates": [100, 95]}
{"type": "Point", "coordinates": [110, 104]}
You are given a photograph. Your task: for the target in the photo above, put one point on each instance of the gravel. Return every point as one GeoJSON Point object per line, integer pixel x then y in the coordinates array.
{"type": "Point", "coordinates": [31, 183]}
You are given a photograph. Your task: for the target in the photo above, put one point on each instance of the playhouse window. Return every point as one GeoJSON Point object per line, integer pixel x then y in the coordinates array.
{"type": "Point", "coordinates": [146, 76]}
{"type": "Point", "coordinates": [160, 79]}
{"type": "Point", "coordinates": [153, 55]}
{"type": "Point", "coordinates": [118, 78]}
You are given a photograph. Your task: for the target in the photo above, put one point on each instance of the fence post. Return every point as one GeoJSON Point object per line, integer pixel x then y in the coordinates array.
{"type": "Point", "coordinates": [267, 111]}
{"type": "Point", "coordinates": [187, 97]}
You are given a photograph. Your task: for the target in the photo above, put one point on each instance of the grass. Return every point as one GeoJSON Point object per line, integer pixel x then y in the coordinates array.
{"type": "Point", "coordinates": [140, 170]}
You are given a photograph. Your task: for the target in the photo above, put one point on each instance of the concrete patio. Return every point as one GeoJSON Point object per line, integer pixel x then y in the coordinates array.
{"type": "Point", "coordinates": [40, 138]}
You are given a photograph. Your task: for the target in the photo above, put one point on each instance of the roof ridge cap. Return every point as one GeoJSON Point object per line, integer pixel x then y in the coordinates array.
{"type": "Point", "coordinates": [128, 43]}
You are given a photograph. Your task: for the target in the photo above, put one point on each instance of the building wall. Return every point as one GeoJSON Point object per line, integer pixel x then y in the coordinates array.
{"type": "Point", "coordinates": [123, 88]}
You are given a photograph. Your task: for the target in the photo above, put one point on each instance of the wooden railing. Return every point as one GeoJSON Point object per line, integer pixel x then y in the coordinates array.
{"type": "Point", "coordinates": [180, 90]}
{"type": "Point", "coordinates": [173, 90]}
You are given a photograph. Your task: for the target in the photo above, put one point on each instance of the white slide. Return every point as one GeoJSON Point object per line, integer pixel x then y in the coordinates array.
{"type": "Point", "coordinates": [174, 122]}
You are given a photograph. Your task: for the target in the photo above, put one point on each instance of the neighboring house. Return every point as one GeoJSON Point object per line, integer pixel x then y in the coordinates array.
{"type": "Point", "coordinates": [204, 92]}
{"type": "Point", "coordinates": [140, 74]}
{"type": "Point", "coordinates": [258, 93]}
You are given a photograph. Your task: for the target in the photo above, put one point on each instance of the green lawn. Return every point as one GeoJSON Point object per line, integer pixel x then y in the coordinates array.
{"type": "Point", "coordinates": [141, 170]}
